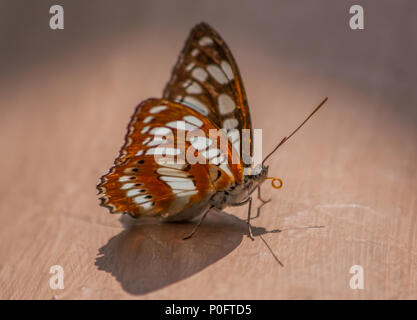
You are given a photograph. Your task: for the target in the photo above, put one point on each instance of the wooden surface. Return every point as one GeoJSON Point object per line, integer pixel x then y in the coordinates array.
{"type": "Point", "coordinates": [66, 99]}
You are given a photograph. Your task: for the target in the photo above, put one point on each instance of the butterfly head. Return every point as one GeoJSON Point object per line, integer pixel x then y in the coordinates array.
{"type": "Point", "coordinates": [254, 177]}
{"type": "Point", "coordinates": [257, 174]}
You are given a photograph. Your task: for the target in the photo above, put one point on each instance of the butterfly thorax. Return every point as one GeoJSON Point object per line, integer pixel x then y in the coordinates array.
{"type": "Point", "coordinates": [238, 193]}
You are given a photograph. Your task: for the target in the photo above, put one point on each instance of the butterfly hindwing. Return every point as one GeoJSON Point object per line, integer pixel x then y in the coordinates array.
{"type": "Point", "coordinates": [206, 78]}
{"type": "Point", "coordinates": [152, 174]}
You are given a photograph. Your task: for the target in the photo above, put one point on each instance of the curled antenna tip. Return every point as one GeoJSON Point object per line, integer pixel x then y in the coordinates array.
{"type": "Point", "coordinates": [276, 186]}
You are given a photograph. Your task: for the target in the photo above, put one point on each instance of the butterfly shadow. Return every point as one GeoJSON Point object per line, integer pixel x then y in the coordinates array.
{"type": "Point", "coordinates": [149, 256]}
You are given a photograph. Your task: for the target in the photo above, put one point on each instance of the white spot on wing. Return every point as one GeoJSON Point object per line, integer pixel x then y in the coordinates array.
{"type": "Point", "coordinates": [144, 130]}
{"type": "Point", "coordinates": [178, 179]}
{"type": "Point", "coordinates": [124, 178]}
{"type": "Point", "coordinates": [205, 41]}
{"type": "Point", "coordinates": [171, 172]}
{"type": "Point", "coordinates": [156, 141]}
{"type": "Point", "coordinates": [226, 104]}
{"type": "Point", "coordinates": [148, 119]}
{"type": "Point", "coordinates": [186, 83]}
{"type": "Point", "coordinates": [146, 205]}
{"type": "Point", "coordinates": [193, 120]}
{"type": "Point", "coordinates": [162, 131]}
{"type": "Point", "coordinates": [217, 74]}
{"type": "Point", "coordinates": [181, 185]}
{"type": "Point", "coordinates": [200, 143]}
{"type": "Point", "coordinates": [146, 140]}
{"type": "Point", "coordinates": [132, 193]}
{"type": "Point", "coordinates": [227, 69]}
{"type": "Point", "coordinates": [141, 199]}
{"type": "Point", "coordinates": [230, 123]}
{"type": "Point", "coordinates": [190, 66]}
{"type": "Point", "coordinates": [157, 109]}
{"type": "Point", "coordinates": [127, 186]}
{"type": "Point", "coordinates": [178, 183]}
{"type": "Point", "coordinates": [139, 153]}
{"type": "Point", "coordinates": [199, 74]}
{"type": "Point", "coordinates": [181, 125]}
{"type": "Point", "coordinates": [194, 88]}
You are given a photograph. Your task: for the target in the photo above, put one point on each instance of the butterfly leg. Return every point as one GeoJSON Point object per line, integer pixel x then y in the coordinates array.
{"type": "Point", "coordinates": [264, 202]}
{"type": "Point", "coordinates": [197, 225]}
{"type": "Point", "coordinates": [248, 200]}
{"type": "Point", "coordinates": [260, 198]}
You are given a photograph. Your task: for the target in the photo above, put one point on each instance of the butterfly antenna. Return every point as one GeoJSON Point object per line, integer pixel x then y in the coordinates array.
{"type": "Point", "coordinates": [298, 128]}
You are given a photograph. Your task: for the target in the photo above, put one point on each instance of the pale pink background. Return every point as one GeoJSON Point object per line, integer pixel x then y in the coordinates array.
{"type": "Point", "coordinates": [66, 98]}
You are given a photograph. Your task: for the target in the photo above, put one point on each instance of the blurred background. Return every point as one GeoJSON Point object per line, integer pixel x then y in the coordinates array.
{"type": "Point", "coordinates": [65, 100]}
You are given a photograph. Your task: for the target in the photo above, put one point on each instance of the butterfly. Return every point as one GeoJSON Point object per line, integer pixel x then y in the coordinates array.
{"type": "Point", "coordinates": [205, 93]}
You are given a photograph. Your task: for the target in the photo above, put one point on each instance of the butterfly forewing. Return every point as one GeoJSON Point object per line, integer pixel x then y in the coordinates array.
{"type": "Point", "coordinates": [207, 79]}
{"type": "Point", "coordinates": [153, 175]}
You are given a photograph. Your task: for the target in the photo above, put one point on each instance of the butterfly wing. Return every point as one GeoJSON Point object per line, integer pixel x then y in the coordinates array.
{"type": "Point", "coordinates": [207, 79]}
{"type": "Point", "coordinates": [152, 176]}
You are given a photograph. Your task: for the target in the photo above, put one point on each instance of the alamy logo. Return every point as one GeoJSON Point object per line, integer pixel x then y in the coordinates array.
{"type": "Point", "coordinates": [57, 20]}
{"type": "Point", "coordinates": [357, 280]}
{"type": "Point", "coordinates": [356, 21]}
{"type": "Point", "coordinates": [213, 148]}
{"type": "Point", "coordinates": [57, 280]}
